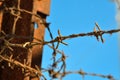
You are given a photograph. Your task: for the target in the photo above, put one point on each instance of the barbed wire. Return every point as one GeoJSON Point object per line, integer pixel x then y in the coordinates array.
{"type": "Point", "coordinates": [62, 58]}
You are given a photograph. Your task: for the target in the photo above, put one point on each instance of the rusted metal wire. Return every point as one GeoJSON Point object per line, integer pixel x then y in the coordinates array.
{"type": "Point", "coordinates": [58, 74]}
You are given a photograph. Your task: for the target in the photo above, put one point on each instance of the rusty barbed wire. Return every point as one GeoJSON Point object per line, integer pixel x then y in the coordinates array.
{"type": "Point", "coordinates": [63, 57]}
{"type": "Point", "coordinates": [23, 66]}
{"type": "Point", "coordinates": [95, 33]}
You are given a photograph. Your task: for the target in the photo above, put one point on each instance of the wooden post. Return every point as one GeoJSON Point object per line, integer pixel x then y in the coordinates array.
{"type": "Point", "coordinates": [41, 8]}
{"type": "Point", "coordinates": [21, 24]}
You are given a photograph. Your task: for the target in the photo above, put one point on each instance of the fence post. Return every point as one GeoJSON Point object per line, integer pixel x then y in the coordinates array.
{"type": "Point", "coordinates": [17, 19]}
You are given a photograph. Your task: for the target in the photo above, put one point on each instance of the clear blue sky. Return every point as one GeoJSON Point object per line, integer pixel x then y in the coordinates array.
{"type": "Point", "coordinates": [86, 53]}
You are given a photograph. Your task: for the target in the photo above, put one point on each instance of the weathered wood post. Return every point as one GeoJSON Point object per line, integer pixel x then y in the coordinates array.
{"type": "Point", "coordinates": [41, 8]}
{"type": "Point", "coordinates": [17, 20]}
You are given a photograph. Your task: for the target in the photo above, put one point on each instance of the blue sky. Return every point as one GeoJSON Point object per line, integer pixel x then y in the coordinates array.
{"type": "Point", "coordinates": [86, 53]}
